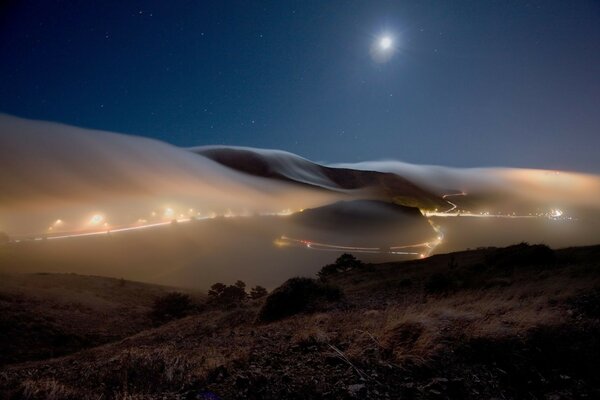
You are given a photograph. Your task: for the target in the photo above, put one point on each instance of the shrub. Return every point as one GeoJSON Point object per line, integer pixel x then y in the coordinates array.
{"type": "Point", "coordinates": [4, 238]}
{"type": "Point", "coordinates": [344, 263]}
{"type": "Point", "coordinates": [522, 254]}
{"type": "Point", "coordinates": [439, 283]}
{"type": "Point", "coordinates": [171, 306]}
{"type": "Point", "coordinates": [295, 296]}
{"type": "Point", "coordinates": [222, 294]}
{"type": "Point", "coordinates": [216, 290]}
{"type": "Point", "coordinates": [257, 292]}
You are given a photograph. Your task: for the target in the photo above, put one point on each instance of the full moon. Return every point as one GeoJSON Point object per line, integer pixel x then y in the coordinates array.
{"type": "Point", "coordinates": [383, 48]}
{"type": "Point", "coordinates": [385, 42]}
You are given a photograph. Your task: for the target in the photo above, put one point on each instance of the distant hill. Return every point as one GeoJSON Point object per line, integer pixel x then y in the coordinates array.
{"type": "Point", "coordinates": [284, 166]}
{"type": "Point", "coordinates": [365, 223]}
{"type": "Point", "coordinates": [359, 215]}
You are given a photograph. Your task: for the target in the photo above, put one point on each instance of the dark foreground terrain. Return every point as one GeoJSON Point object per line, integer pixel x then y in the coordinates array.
{"type": "Point", "coordinates": [514, 323]}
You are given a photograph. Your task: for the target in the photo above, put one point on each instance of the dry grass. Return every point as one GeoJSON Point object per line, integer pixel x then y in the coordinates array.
{"type": "Point", "coordinates": [407, 327]}
{"type": "Point", "coordinates": [49, 389]}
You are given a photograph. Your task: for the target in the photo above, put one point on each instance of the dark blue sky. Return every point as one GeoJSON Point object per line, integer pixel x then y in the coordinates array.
{"type": "Point", "coordinates": [470, 83]}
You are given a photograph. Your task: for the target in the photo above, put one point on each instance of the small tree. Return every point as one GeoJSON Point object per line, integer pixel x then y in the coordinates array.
{"type": "Point", "coordinates": [171, 306]}
{"type": "Point", "coordinates": [228, 295]}
{"type": "Point", "coordinates": [216, 290]}
{"type": "Point", "coordinates": [344, 263]}
{"type": "Point", "coordinates": [3, 238]}
{"type": "Point", "coordinates": [347, 262]}
{"type": "Point", "coordinates": [257, 292]}
{"type": "Point", "coordinates": [233, 294]}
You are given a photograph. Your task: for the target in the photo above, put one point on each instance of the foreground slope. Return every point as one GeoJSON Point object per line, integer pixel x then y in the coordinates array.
{"type": "Point", "coordinates": [520, 322]}
{"type": "Point", "coordinates": [44, 315]}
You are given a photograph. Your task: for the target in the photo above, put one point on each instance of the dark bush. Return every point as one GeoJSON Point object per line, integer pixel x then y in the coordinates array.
{"type": "Point", "coordinates": [439, 283]}
{"type": "Point", "coordinates": [405, 283]}
{"type": "Point", "coordinates": [257, 292]}
{"type": "Point", "coordinates": [171, 306]}
{"type": "Point", "coordinates": [222, 294]}
{"type": "Point", "coordinates": [4, 238]}
{"type": "Point", "coordinates": [452, 264]}
{"type": "Point", "coordinates": [587, 304]}
{"type": "Point", "coordinates": [520, 255]}
{"type": "Point", "coordinates": [297, 295]}
{"type": "Point", "coordinates": [344, 263]}
{"type": "Point", "coordinates": [216, 290]}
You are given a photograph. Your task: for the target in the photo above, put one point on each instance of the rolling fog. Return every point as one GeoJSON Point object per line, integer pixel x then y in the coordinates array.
{"type": "Point", "coordinates": [200, 253]}
{"type": "Point", "coordinates": [51, 171]}
{"type": "Point", "coordinates": [56, 178]}
{"type": "Point", "coordinates": [501, 186]}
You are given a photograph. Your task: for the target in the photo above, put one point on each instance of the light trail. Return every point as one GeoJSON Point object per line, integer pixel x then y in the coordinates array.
{"type": "Point", "coordinates": [554, 214]}
{"type": "Point", "coordinates": [453, 206]}
{"type": "Point", "coordinates": [97, 218]}
{"type": "Point", "coordinates": [309, 244]}
{"type": "Point", "coordinates": [108, 231]}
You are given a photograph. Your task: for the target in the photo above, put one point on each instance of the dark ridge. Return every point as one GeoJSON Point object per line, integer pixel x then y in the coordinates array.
{"type": "Point", "coordinates": [279, 165]}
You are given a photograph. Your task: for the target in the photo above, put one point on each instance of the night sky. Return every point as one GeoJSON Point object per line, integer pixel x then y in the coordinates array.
{"type": "Point", "coordinates": [473, 83]}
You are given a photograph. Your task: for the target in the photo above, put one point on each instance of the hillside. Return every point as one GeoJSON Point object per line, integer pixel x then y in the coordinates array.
{"type": "Point", "coordinates": [44, 315]}
{"type": "Point", "coordinates": [512, 323]}
{"type": "Point", "coordinates": [288, 167]}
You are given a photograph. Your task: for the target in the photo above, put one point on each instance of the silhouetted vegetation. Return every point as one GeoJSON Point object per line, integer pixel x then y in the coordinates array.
{"type": "Point", "coordinates": [228, 295]}
{"type": "Point", "coordinates": [452, 264]}
{"type": "Point", "coordinates": [439, 283]}
{"type": "Point", "coordinates": [298, 295]}
{"type": "Point", "coordinates": [344, 263]}
{"type": "Point", "coordinates": [171, 306]}
{"type": "Point", "coordinates": [3, 238]}
{"type": "Point", "coordinates": [257, 292]}
{"type": "Point", "coordinates": [522, 254]}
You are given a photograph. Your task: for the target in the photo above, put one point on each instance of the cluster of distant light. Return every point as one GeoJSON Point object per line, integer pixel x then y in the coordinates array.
{"type": "Point", "coordinates": [97, 223]}
{"type": "Point", "coordinates": [454, 211]}
{"type": "Point", "coordinates": [554, 214]}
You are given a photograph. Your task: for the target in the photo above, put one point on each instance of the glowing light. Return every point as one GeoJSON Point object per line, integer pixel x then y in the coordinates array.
{"type": "Point", "coordinates": [280, 243]}
{"type": "Point", "coordinates": [383, 48]}
{"type": "Point", "coordinates": [96, 219]}
{"type": "Point", "coordinates": [169, 212]}
{"type": "Point", "coordinates": [385, 42]}
{"type": "Point", "coordinates": [58, 222]}
{"type": "Point", "coordinates": [557, 213]}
